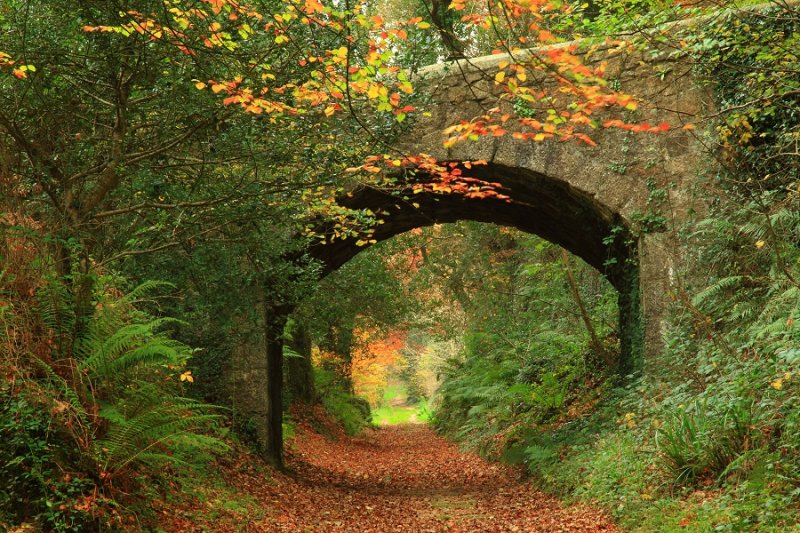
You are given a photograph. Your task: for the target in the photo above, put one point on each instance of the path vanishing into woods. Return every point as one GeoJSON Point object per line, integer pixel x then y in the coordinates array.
{"type": "Point", "coordinates": [395, 478]}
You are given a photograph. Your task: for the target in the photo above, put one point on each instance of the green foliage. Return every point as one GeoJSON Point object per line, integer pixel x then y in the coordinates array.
{"type": "Point", "coordinates": [708, 441]}
{"type": "Point", "coordinates": [391, 415]}
{"type": "Point", "coordinates": [757, 93]}
{"type": "Point", "coordinates": [525, 358]}
{"type": "Point", "coordinates": [97, 397]}
{"type": "Point", "coordinates": [35, 485]}
{"type": "Point", "coordinates": [698, 444]}
{"type": "Point", "coordinates": [411, 410]}
{"type": "Point", "coordinates": [123, 360]}
{"type": "Point", "coordinates": [101, 403]}
{"type": "Point", "coordinates": [352, 412]}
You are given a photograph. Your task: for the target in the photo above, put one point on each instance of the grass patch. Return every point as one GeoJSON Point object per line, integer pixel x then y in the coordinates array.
{"type": "Point", "coordinates": [389, 415]}
{"type": "Point", "coordinates": [394, 411]}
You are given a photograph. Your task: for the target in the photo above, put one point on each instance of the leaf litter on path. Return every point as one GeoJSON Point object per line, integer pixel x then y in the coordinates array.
{"type": "Point", "coordinates": [394, 479]}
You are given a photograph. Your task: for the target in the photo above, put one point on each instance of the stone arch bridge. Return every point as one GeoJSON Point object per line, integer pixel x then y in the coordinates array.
{"type": "Point", "coordinates": [613, 204]}
{"type": "Point", "coordinates": [593, 201]}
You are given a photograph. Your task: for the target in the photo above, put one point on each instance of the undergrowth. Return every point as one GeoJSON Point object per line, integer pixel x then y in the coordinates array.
{"type": "Point", "coordinates": [709, 438]}
{"type": "Point", "coordinates": [94, 403]}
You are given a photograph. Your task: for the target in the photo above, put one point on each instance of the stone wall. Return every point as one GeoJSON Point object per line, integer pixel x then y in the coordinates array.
{"type": "Point", "coordinates": [249, 375]}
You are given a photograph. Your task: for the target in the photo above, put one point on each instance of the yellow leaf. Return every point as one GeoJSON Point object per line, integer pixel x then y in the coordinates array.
{"type": "Point", "coordinates": [187, 376]}
{"type": "Point", "coordinates": [373, 92]}
{"type": "Point", "coordinates": [423, 25]}
{"type": "Point", "coordinates": [499, 77]}
{"type": "Point", "coordinates": [760, 244]}
{"type": "Point", "coordinates": [200, 85]}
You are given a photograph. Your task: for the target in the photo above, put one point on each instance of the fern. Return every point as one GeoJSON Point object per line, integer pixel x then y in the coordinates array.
{"type": "Point", "coordinates": [55, 310]}
{"type": "Point", "coordinates": [288, 353]}
{"type": "Point", "coordinates": [147, 287]}
{"type": "Point", "coordinates": [123, 357]}
{"type": "Point", "coordinates": [787, 219]}
{"type": "Point", "coordinates": [716, 290]}
{"type": "Point", "coordinates": [134, 439]}
{"type": "Point", "coordinates": [123, 353]}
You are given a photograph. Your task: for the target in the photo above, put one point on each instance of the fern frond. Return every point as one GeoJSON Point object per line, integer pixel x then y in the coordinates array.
{"type": "Point", "coordinates": [155, 352]}
{"type": "Point", "coordinates": [143, 289]}
{"type": "Point", "coordinates": [715, 290]}
{"type": "Point", "coordinates": [786, 219]}
{"type": "Point", "coordinates": [126, 443]}
{"type": "Point", "coordinates": [744, 312]}
{"type": "Point", "coordinates": [291, 354]}
{"type": "Point", "coordinates": [54, 308]}
{"type": "Point", "coordinates": [755, 229]}
{"type": "Point", "coordinates": [131, 345]}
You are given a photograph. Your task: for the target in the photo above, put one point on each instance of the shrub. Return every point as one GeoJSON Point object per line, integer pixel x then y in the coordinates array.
{"type": "Point", "coordinates": [91, 402]}
{"type": "Point", "coordinates": [34, 485]}
{"type": "Point", "coordinates": [352, 412]}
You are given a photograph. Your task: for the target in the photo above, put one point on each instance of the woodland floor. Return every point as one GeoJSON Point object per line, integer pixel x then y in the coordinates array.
{"type": "Point", "coordinates": [395, 478]}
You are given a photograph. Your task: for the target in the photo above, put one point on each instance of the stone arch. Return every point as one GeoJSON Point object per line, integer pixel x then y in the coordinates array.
{"type": "Point", "coordinates": [589, 199]}
{"type": "Point", "coordinates": [537, 204]}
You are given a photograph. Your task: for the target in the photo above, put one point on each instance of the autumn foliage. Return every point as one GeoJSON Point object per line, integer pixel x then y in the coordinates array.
{"type": "Point", "coordinates": [315, 59]}
{"type": "Point", "coordinates": [375, 355]}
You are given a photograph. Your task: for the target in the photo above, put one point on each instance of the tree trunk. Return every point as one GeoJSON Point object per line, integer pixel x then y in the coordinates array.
{"type": "Point", "coordinates": [274, 322]}
{"type": "Point", "coordinates": [300, 370]}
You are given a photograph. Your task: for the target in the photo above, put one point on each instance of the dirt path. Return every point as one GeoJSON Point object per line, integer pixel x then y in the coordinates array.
{"type": "Point", "coordinates": [401, 478]}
